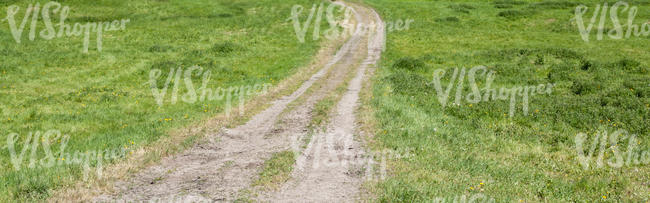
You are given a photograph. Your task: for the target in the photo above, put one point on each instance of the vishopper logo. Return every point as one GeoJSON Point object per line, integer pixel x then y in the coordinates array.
{"type": "Point", "coordinates": [206, 93]}
{"type": "Point", "coordinates": [54, 139]}
{"type": "Point", "coordinates": [336, 149]}
{"type": "Point", "coordinates": [333, 30]}
{"type": "Point", "coordinates": [50, 32]}
{"type": "Point", "coordinates": [338, 16]}
{"type": "Point", "coordinates": [609, 151]}
{"type": "Point", "coordinates": [600, 15]}
{"type": "Point", "coordinates": [487, 93]}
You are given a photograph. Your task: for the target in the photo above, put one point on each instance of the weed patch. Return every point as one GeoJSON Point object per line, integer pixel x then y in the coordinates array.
{"type": "Point", "coordinates": [408, 63]}
{"type": "Point", "coordinates": [514, 14]}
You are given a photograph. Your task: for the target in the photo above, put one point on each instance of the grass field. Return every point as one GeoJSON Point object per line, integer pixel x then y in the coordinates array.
{"type": "Point", "coordinates": [459, 146]}
{"type": "Point", "coordinates": [103, 100]}
{"type": "Point", "coordinates": [479, 148]}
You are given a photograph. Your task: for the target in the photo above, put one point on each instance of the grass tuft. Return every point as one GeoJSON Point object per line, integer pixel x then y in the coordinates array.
{"type": "Point", "coordinates": [408, 63]}
{"type": "Point", "coordinates": [514, 14]}
{"type": "Point", "coordinates": [226, 48]}
{"type": "Point", "coordinates": [627, 64]}
{"type": "Point", "coordinates": [277, 170]}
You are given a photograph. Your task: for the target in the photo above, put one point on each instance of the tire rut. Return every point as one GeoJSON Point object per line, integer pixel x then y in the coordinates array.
{"type": "Point", "coordinates": [330, 168]}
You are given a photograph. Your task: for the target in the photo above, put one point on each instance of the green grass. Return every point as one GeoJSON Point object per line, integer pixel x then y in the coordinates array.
{"type": "Point", "coordinates": [322, 111]}
{"type": "Point", "coordinates": [102, 99]}
{"type": "Point", "coordinates": [599, 85]}
{"type": "Point", "coordinates": [277, 170]}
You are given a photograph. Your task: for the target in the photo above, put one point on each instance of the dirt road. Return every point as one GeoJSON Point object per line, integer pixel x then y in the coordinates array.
{"type": "Point", "coordinates": [326, 170]}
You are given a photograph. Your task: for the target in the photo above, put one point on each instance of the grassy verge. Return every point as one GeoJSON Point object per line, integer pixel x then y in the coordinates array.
{"type": "Point", "coordinates": [103, 99]}
{"type": "Point", "coordinates": [468, 149]}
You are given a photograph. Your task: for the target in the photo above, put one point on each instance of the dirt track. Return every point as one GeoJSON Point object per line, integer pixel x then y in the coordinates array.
{"type": "Point", "coordinates": [326, 170]}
